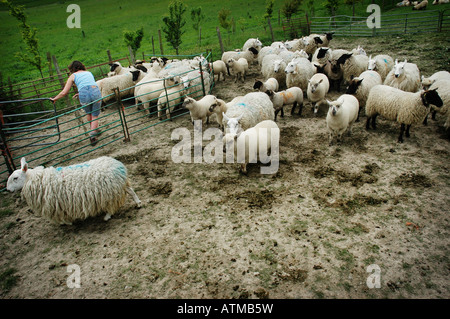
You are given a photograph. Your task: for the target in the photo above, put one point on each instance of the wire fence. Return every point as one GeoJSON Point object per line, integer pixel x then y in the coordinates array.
{"type": "Point", "coordinates": [58, 137]}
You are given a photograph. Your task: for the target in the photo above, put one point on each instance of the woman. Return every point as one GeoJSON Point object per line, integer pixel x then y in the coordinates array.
{"type": "Point", "coordinates": [88, 92]}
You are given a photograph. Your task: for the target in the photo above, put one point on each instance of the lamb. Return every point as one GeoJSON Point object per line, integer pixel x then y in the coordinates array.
{"type": "Point", "coordinates": [341, 115]}
{"type": "Point", "coordinates": [382, 64]}
{"type": "Point", "coordinates": [334, 73]}
{"type": "Point", "coordinates": [442, 87]}
{"type": "Point", "coordinates": [219, 108]}
{"type": "Point", "coordinates": [421, 6]}
{"type": "Point", "coordinates": [293, 95]}
{"type": "Point", "coordinates": [125, 83]}
{"type": "Point", "coordinates": [273, 67]}
{"type": "Point", "coordinates": [147, 92]}
{"type": "Point", "coordinates": [440, 75]}
{"type": "Point", "coordinates": [254, 141]}
{"type": "Point", "coordinates": [299, 72]}
{"type": "Point", "coordinates": [361, 86]}
{"type": "Point", "coordinates": [66, 194]}
{"type": "Point", "coordinates": [169, 98]}
{"type": "Point", "coordinates": [406, 108]}
{"type": "Point", "coordinates": [193, 82]}
{"type": "Point", "coordinates": [239, 67]}
{"type": "Point", "coordinates": [219, 68]}
{"type": "Point", "coordinates": [318, 87]}
{"type": "Point", "coordinates": [404, 76]}
{"type": "Point", "coordinates": [352, 65]}
{"type": "Point", "coordinates": [250, 54]}
{"type": "Point", "coordinates": [248, 111]}
{"type": "Point", "coordinates": [271, 84]}
{"type": "Point", "coordinates": [200, 110]}
{"type": "Point", "coordinates": [321, 56]}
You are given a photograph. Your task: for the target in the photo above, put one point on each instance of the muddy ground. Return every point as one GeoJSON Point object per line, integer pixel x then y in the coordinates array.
{"type": "Point", "coordinates": [309, 231]}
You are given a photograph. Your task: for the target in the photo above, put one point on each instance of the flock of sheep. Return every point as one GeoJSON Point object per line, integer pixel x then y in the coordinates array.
{"type": "Point", "coordinates": [419, 5]}
{"type": "Point", "coordinates": [292, 71]}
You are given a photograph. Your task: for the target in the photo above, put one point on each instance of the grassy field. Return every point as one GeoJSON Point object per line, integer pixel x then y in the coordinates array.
{"type": "Point", "coordinates": [103, 23]}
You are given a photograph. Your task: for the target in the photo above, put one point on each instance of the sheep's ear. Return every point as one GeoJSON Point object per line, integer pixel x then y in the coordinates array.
{"type": "Point", "coordinates": [405, 61]}
{"type": "Point", "coordinates": [23, 164]}
{"type": "Point", "coordinates": [396, 61]}
{"type": "Point", "coordinates": [239, 117]}
{"type": "Point", "coordinates": [225, 117]}
{"type": "Point", "coordinates": [370, 57]}
{"type": "Point", "coordinates": [320, 81]}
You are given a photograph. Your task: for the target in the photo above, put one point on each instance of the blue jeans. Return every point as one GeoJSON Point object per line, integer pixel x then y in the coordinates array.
{"type": "Point", "coordinates": [87, 95]}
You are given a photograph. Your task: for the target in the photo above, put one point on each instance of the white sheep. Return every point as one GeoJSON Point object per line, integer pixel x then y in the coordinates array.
{"type": "Point", "coordinates": [248, 111]}
{"type": "Point", "coordinates": [273, 67]}
{"type": "Point", "coordinates": [193, 82]}
{"type": "Point", "coordinates": [117, 69]}
{"type": "Point", "coordinates": [439, 75]}
{"type": "Point", "coordinates": [125, 83]}
{"type": "Point", "coordinates": [200, 110]}
{"type": "Point", "coordinates": [382, 64]}
{"type": "Point", "coordinates": [421, 6]}
{"type": "Point", "coordinates": [359, 51]}
{"type": "Point", "coordinates": [266, 51]}
{"type": "Point", "coordinates": [147, 92]}
{"type": "Point", "coordinates": [442, 87]}
{"type": "Point", "coordinates": [219, 68]}
{"type": "Point", "coordinates": [404, 76]}
{"type": "Point", "coordinates": [321, 56]}
{"type": "Point", "coordinates": [169, 98]}
{"type": "Point", "coordinates": [298, 72]}
{"type": "Point", "coordinates": [325, 38]}
{"type": "Point", "coordinates": [252, 43]}
{"type": "Point", "coordinates": [318, 87]}
{"type": "Point", "coordinates": [352, 65]}
{"type": "Point", "coordinates": [312, 42]}
{"type": "Point", "coordinates": [293, 95]}
{"type": "Point", "coordinates": [361, 86]}
{"type": "Point", "coordinates": [393, 104]}
{"type": "Point", "coordinates": [341, 115]}
{"type": "Point", "coordinates": [254, 144]}
{"type": "Point", "coordinates": [66, 194]}
{"type": "Point", "coordinates": [440, 1]}
{"type": "Point", "coordinates": [219, 109]}
{"type": "Point", "coordinates": [271, 84]}
{"type": "Point", "coordinates": [250, 54]}
{"type": "Point", "coordinates": [239, 67]}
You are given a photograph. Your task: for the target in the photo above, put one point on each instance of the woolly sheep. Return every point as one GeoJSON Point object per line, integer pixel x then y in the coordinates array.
{"type": "Point", "coordinates": [421, 6]}
{"type": "Point", "coordinates": [193, 82]}
{"type": "Point", "coordinates": [325, 38]}
{"type": "Point", "coordinates": [404, 76]}
{"type": "Point", "coordinates": [293, 95]}
{"type": "Point", "coordinates": [341, 115]}
{"type": "Point", "coordinates": [312, 43]}
{"type": "Point", "coordinates": [382, 64]}
{"type": "Point", "coordinates": [440, 75]}
{"type": "Point", "coordinates": [200, 110]}
{"type": "Point", "coordinates": [440, 1]}
{"type": "Point", "coordinates": [219, 108]}
{"type": "Point", "coordinates": [393, 104]}
{"type": "Point", "coordinates": [169, 98]}
{"type": "Point", "coordinates": [266, 51]}
{"type": "Point", "coordinates": [359, 51]}
{"type": "Point", "coordinates": [250, 54]}
{"type": "Point", "coordinates": [239, 67]}
{"type": "Point", "coordinates": [270, 84]}
{"type": "Point", "coordinates": [125, 83]}
{"type": "Point", "coordinates": [318, 87]}
{"type": "Point", "coordinates": [248, 111]}
{"type": "Point", "coordinates": [66, 194]}
{"type": "Point", "coordinates": [321, 56]}
{"type": "Point", "coordinates": [219, 68]}
{"type": "Point", "coordinates": [117, 69]}
{"type": "Point", "coordinates": [273, 67]}
{"type": "Point", "coordinates": [361, 86]}
{"type": "Point", "coordinates": [298, 72]}
{"type": "Point", "coordinates": [443, 89]}
{"type": "Point", "coordinates": [147, 92]}
{"type": "Point", "coordinates": [260, 133]}
{"type": "Point", "coordinates": [252, 43]}
{"type": "Point", "coordinates": [352, 65]}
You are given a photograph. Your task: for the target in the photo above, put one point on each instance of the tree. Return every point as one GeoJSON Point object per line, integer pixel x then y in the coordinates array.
{"type": "Point", "coordinates": [28, 35]}
{"type": "Point", "coordinates": [269, 9]}
{"type": "Point", "coordinates": [289, 8]}
{"type": "Point", "coordinates": [332, 5]}
{"type": "Point", "coordinates": [197, 17]}
{"type": "Point", "coordinates": [133, 39]}
{"type": "Point", "coordinates": [224, 20]}
{"type": "Point", "coordinates": [174, 23]}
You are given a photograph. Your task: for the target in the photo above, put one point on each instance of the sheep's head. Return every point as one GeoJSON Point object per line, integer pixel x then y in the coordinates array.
{"type": "Point", "coordinates": [322, 52]}
{"type": "Point", "coordinates": [432, 97]}
{"type": "Point", "coordinates": [372, 65]}
{"type": "Point", "coordinates": [276, 65]}
{"type": "Point", "coordinates": [231, 61]}
{"type": "Point", "coordinates": [115, 66]}
{"type": "Point", "coordinates": [313, 85]}
{"type": "Point", "coordinates": [217, 103]}
{"type": "Point", "coordinates": [257, 84]}
{"type": "Point", "coordinates": [360, 50]}
{"type": "Point", "coordinates": [233, 123]}
{"type": "Point", "coordinates": [426, 83]}
{"type": "Point", "coordinates": [399, 68]}
{"type": "Point", "coordinates": [354, 85]}
{"type": "Point", "coordinates": [254, 51]}
{"type": "Point", "coordinates": [334, 66]}
{"type": "Point", "coordinates": [301, 54]}
{"type": "Point", "coordinates": [185, 80]}
{"type": "Point", "coordinates": [270, 93]}
{"type": "Point", "coordinates": [343, 58]}
{"type": "Point", "coordinates": [290, 68]}
{"type": "Point", "coordinates": [334, 107]}
{"type": "Point", "coordinates": [288, 45]}
{"type": "Point", "coordinates": [188, 103]}
{"type": "Point", "coordinates": [17, 179]}
{"type": "Point", "coordinates": [135, 75]}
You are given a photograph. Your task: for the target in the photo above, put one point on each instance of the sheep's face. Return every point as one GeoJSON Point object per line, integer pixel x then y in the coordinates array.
{"type": "Point", "coordinates": [276, 65]}
{"type": "Point", "coordinates": [399, 68]}
{"type": "Point", "coordinates": [354, 85]}
{"type": "Point", "coordinates": [288, 46]}
{"type": "Point", "coordinates": [290, 68]}
{"type": "Point", "coordinates": [372, 65]}
{"type": "Point", "coordinates": [114, 66]}
{"type": "Point", "coordinates": [334, 108]}
{"type": "Point", "coordinates": [17, 179]}
{"type": "Point", "coordinates": [188, 103]}
{"type": "Point", "coordinates": [233, 124]}
{"type": "Point", "coordinates": [360, 50]}
{"type": "Point", "coordinates": [230, 62]}
{"type": "Point", "coordinates": [314, 85]}
{"type": "Point", "coordinates": [185, 81]}
{"type": "Point", "coordinates": [334, 66]}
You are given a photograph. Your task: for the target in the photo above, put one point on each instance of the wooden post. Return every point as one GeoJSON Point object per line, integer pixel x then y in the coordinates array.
{"type": "Point", "coordinates": [271, 31]}
{"type": "Point", "coordinates": [308, 26]}
{"type": "Point", "coordinates": [160, 43]}
{"type": "Point", "coordinates": [109, 56]}
{"type": "Point", "coordinates": [220, 39]}
{"type": "Point", "coordinates": [133, 60]}
{"type": "Point", "coordinates": [200, 36]}
{"type": "Point", "coordinates": [153, 46]}
{"type": "Point", "coordinates": [201, 77]}
{"type": "Point", "coordinates": [60, 78]}
{"type": "Point", "coordinates": [49, 60]}
{"type": "Point", "coordinates": [279, 17]}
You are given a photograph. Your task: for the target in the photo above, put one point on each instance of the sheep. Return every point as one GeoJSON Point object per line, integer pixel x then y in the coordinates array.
{"type": "Point", "coordinates": [273, 67]}
{"type": "Point", "coordinates": [250, 54]}
{"type": "Point", "coordinates": [252, 43]}
{"type": "Point", "coordinates": [147, 92]}
{"type": "Point", "coordinates": [200, 110]}
{"type": "Point", "coordinates": [325, 38]}
{"type": "Point", "coordinates": [125, 83]}
{"type": "Point", "coordinates": [318, 87]}
{"type": "Point", "coordinates": [312, 43]}
{"type": "Point", "coordinates": [341, 115]}
{"type": "Point", "coordinates": [404, 76]}
{"type": "Point", "coordinates": [321, 56]}
{"type": "Point", "coordinates": [239, 67]}
{"type": "Point", "coordinates": [248, 111]}
{"type": "Point", "coordinates": [421, 6]}
{"type": "Point", "coordinates": [440, 75]}
{"type": "Point", "coordinates": [352, 65]}
{"type": "Point", "coordinates": [298, 72]}
{"type": "Point", "coordinates": [393, 104]}
{"type": "Point", "coordinates": [219, 68]}
{"type": "Point", "coordinates": [361, 85]}
{"type": "Point", "coordinates": [443, 89]}
{"type": "Point", "coordinates": [359, 51]}
{"type": "Point", "coordinates": [270, 84]}
{"type": "Point", "coordinates": [193, 83]}
{"type": "Point", "coordinates": [253, 142]}
{"type": "Point", "coordinates": [66, 194]}
{"type": "Point", "coordinates": [117, 69]}
{"type": "Point", "coordinates": [293, 95]}
{"type": "Point", "coordinates": [219, 108]}
{"type": "Point", "coordinates": [169, 98]}
{"type": "Point", "coordinates": [382, 64]}
{"type": "Point", "coordinates": [440, 1]}
{"type": "Point", "coordinates": [266, 51]}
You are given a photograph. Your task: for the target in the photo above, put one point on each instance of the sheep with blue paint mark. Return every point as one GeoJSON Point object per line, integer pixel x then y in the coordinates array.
{"type": "Point", "coordinates": [66, 194]}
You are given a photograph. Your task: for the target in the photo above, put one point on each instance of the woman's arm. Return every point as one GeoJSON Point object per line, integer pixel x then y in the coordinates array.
{"type": "Point", "coordinates": [66, 89]}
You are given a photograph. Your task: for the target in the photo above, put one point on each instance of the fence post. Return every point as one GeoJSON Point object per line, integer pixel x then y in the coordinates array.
{"type": "Point", "coordinates": [271, 31]}
{"type": "Point", "coordinates": [60, 78]}
{"type": "Point", "coordinates": [160, 43]}
{"type": "Point", "coordinates": [133, 60]}
{"type": "Point", "coordinates": [440, 20]}
{"type": "Point", "coordinates": [406, 22]}
{"type": "Point", "coordinates": [109, 56]}
{"type": "Point", "coordinates": [153, 46]}
{"type": "Point", "coordinates": [220, 39]}
{"type": "Point", "coordinates": [122, 115]}
{"type": "Point", "coordinates": [5, 149]}
{"type": "Point", "coordinates": [201, 77]}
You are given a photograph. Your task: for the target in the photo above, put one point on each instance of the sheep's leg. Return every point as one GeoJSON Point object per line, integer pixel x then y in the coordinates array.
{"type": "Point", "coordinates": [402, 130]}
{"type": "Point", "coordinates": [425, 120]}
{"type": "Point", "coordinates": [407, 130]}
{"type": "Point", "coordinates": [135, 197]}
{"type": "Point", "coordinates": [330, 138]}
{"type": "Point", "coordinates": [293, 108]}
{"type": "Point", "coordinates": [359, 111]}
{"type": "Point", "coordinates": [282, 112]}
{"type": "Point", "coordinates": [276, 113]}
{"type": "Point", "coordinates": [243, 169]}
{"type": "Point", "coordinates": [107, 217]}
{"type": "Point", "coordinates": [368, 123]}
{"type": "Point", "coordinates": [300, 109]}
{"type": "Point", "coordinates": [433, 115]}
{"type": "Point", "coordinates": [374, 123]}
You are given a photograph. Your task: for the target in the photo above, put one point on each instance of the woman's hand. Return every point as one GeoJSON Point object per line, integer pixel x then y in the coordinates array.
{"type": "Point", "coordinates": [53, 100]}
{"type": "Point", "coordinates": [75, 96]}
